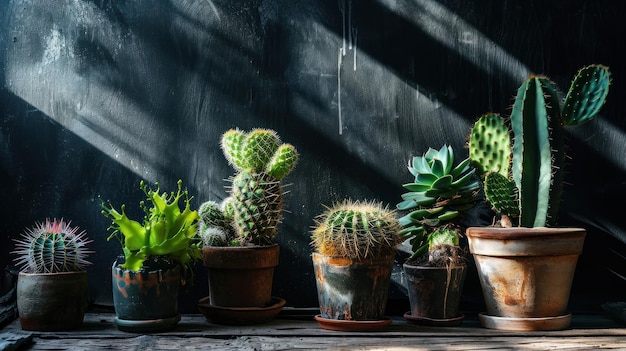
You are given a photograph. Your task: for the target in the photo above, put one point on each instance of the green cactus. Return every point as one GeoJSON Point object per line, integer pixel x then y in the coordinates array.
{"type": "Point", "coordinates": [215, 227]}
{"type": "Point", "coordinates": [254, 206]}
{"type": "Point", "coordinates": [529, 194]}
{"type": "Point", "coordinates": [357, 230]}
{"type": "Point", "coordinates": [52, 247]}
{"type": "Point", "coordinates": [444, 247]}
{"type": "Point", "coordinates": [439, 193]}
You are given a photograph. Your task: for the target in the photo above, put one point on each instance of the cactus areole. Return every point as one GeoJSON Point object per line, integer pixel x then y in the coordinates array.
{"type": "Point", "coordinates": [522, 164]}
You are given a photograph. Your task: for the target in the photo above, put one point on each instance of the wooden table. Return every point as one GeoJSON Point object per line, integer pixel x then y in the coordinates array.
{"type": "Point", "coordinates": [303, 333]}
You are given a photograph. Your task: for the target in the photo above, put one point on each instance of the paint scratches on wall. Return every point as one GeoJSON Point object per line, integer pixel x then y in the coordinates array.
{"type": "Point", "coordinates": [55, 46]}
{"type": "Point", "coordinates": [349, 37]}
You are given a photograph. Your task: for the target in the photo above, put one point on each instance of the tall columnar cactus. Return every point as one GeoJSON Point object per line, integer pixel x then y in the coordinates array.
{"type": "Point", "coordinates": [52, 247]}
{"type": "Point", "coordinates": [523, 178]}
{"type": "Point", "coordinates": [357, 230]}
{"type": "Point", "coordinates": [439, 193]}
{"type": "Point", "coordinates": [254, 207]}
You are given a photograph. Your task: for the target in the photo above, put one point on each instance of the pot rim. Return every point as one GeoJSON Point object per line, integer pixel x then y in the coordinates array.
{"type": "Point", "coordinates": [55, 273]}
{"type": "Point", "coordinates": [489, 232]}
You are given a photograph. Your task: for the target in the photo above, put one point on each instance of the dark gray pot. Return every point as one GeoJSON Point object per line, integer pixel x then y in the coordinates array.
{"type": "Point", "coordinates": [51, 301]}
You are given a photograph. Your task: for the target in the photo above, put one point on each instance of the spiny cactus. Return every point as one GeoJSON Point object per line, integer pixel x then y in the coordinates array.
{"type": "Point", "coordinates": [528, 192]}
{"type": "Point", "coordinates": [357, 230]}
{"type": "Point", "coordinates": [439, 193]}
{"type": "Point", "coordinates": [215, 226]}
{"type": "Point", "coordinates": [254, 206]}
{"type": "Point", "coordinates": [52, 247]}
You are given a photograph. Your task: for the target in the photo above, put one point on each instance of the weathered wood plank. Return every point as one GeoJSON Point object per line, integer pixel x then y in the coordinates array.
{"type": "Point", "coordinates": [161, 342]}
{"type": "Point", "coordinates": [194, 332]}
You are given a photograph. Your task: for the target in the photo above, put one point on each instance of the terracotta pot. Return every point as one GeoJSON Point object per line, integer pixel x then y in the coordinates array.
{"type": "Point", "coordinates": [241, 276]}
{"type": "Point", "coordinates": [146, 300]}
{"type": "Point", "coordinates": [352, 290]}
{"type": "Point", "coordinates": [51, 301]}
{"type": "Point", "coordinates": [526, 272]}
{"type": "Point", "coordinates": [434, 292]}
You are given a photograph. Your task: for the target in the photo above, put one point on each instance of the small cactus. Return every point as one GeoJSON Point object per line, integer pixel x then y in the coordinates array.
{"type": "Point", "coordinates": [215, 226]}
{"type": "Point", "coordinates": [52, 247]}
{"type": "Point", "coordinates": [439, 193]}
{"type": "Point", "coordinates": [357, 230]}
{"type": "Point", "coordinates": [523, 175]}
{"type": "Point", "coordinates": [254, 205]}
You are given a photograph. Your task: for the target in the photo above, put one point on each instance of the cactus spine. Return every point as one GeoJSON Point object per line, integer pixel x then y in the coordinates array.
{"type": "Point", "coordinates": [253, 209]}
{"type": "Point", "coordinates": [52, 247]}
{"type": "Point", "coordinates": [529, 192]}
{"type": "Point", "coordinates": [357, 230]}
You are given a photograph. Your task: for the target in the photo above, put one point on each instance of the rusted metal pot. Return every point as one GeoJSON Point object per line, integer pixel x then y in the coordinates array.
{"type": "Point", "coordinates": [352, 290]}
{"type": "Point", "coordinates": [526, 272]}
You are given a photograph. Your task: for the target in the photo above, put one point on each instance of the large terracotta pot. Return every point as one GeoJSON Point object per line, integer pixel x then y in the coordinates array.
{"type": "Point", "coordinates": [526, 274]}
{"type": "Point", "coordinates": [241, 276]}
{"type": "Point", "coordinates": [146, 300]}
{"type": "Point", "coordinates": [435, 293]}
{"type": "Point", "coordinates": [51, 301]}
{"type": "Point", "coordinates": [352, 290]}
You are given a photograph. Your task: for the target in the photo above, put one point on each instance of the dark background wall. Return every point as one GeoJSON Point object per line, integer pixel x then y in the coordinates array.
{"type": "Point", "coordinates": [99, 94]}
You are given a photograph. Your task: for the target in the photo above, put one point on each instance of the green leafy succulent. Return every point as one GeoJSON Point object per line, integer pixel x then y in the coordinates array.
{"type": "Point", "coordinates": [166, 230]}
{"type": "Point", "coordinates": [439, 193]}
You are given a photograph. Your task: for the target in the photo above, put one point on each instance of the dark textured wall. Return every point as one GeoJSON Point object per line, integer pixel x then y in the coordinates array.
{"type": "Point", "coordinates": [97, 95]}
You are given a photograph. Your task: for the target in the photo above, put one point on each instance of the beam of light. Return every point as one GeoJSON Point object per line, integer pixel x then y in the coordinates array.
{"type": "Point", "coordinates": [100, 115]}
{"type": "Point", "coordinates": [109, 101]}
{"type": "Point", "coordinates": [459, 36]}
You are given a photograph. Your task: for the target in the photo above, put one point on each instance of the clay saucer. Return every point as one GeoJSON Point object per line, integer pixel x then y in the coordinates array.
{"type": "Point", "coordinates": [352, 325]}
{"type": "Point", "coordinates": [240, 315]}
{"type": "Point", "coordinates": [525, 324]}
{"type": "Point", "coordinates": [444, 322]}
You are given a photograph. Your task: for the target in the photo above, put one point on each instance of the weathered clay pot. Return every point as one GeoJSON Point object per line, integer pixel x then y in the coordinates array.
{"type": "Point", "coordinates": [526, 273]}
{"type": "Point", "coordinates": [147, 300]}
{"type": "Point", "coordinates": [352, 290]}
{"type": "Point", "coordinates": [241, 276]}
{"type": "Point", "coordinates": [51, 301]}
{"type": "Point", "coordinates": [434, 292]}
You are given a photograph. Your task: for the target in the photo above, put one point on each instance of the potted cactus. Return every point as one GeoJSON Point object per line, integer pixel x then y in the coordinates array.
{"type": "Point", "coordinates": [158, 258]}
{"type": "Point", "coordinates": [354, 246]}
{"type": "Point", "coordinates": [436, 202]}
{"type": "Point", "coordinates": [525, 263]}
{"type": "Point", "coordinates": [239, 233]}
{"type": "Point", "coordinates": [52, 282]}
